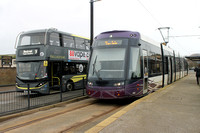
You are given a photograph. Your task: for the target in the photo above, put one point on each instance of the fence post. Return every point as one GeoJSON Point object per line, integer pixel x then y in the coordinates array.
{"type": "Point", "coordinates": [83, 86]}
{"type": "Point", "coordinates": [28, 96]}
{"type": "Point", "coordinates": [61, 99]}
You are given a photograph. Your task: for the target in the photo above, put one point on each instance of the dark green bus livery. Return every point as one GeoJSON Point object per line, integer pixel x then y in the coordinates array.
{"type": "Point", "coordinates": [47, 59]}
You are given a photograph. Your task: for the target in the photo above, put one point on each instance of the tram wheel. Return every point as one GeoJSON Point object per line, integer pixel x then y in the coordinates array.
{"type": "Point", "coordinates": [69, 86]}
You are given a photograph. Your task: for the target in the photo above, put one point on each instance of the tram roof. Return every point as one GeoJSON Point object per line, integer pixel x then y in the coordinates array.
{"type": "Point", "coordinates": [129, 34]}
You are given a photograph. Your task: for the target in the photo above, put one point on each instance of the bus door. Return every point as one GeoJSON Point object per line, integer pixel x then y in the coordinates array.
{"type": "Point", "coordinates": [145, 71]}
{"type": "Point", "coordinates": [55, 73]}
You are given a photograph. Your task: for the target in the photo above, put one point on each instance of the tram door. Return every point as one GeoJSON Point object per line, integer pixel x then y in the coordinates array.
{"type": "Point", "coordinates": [169, 71]}
{"type": "Point", "coordinates": [145, 71]}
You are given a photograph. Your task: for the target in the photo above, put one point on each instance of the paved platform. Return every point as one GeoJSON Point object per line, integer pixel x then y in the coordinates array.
{"type": "Point", "coordinates": [172, 109]}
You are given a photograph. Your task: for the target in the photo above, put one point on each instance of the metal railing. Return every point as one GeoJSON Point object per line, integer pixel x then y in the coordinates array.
{"type": "Point", "coordinates": [13, 101]}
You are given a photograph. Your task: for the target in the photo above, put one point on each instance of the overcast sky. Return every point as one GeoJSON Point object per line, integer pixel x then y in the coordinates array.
{"type": "Point", "coordinates": [73, 16]}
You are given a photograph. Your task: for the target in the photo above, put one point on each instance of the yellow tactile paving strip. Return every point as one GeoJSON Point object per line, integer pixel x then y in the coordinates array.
{"type": "Point", "coordinates": [115, 116]}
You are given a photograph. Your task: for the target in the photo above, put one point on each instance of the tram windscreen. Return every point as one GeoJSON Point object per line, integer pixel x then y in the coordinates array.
{"type": "Point", "coordinates": [107, 64]}
{"type": "Point", "coordinates": [31, 70]}
{"type": "Point", "coordinates": [31, 39]}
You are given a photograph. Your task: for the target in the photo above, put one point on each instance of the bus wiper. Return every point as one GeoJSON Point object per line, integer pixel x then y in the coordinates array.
{"type": "Point", "coordinates": [36, 74]}
{"type": "Point", "coordinates": [94, 69]}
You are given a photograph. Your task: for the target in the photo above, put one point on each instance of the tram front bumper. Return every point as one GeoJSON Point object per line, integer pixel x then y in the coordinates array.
{"type": "Point", "coordinates": [105, 93]}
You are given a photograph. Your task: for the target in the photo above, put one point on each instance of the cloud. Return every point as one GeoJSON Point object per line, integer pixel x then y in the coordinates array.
{"type": "Point", "coordinates": [73, 16]}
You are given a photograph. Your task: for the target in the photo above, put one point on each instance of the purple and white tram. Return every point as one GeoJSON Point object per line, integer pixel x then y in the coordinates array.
{"type": "Point", "coordinates": [126, 64]}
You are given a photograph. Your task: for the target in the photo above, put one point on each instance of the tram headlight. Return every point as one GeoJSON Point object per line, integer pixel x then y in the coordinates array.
{"type": "Point", "coordinates": [90, 83]}
{"type": "Point", "coordinates": [119, 84]}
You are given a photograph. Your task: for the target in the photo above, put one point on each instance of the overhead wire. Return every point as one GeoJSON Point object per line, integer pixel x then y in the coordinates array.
{"type": "Point", "coordinates": [185, 36]}
{"type": "Point", "coordinates": [179, 45]}
{"type": "Point", "coordinates": [156, 20]}
{"type": "Point", "coordinates": [149, 13]}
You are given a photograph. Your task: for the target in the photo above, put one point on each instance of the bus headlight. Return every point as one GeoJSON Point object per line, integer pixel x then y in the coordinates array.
{"type": "Point", "coordinates": [90, 83]}
{"type": "Point", "coordinates": [119, 84]}
{"type": "Point", "coordinates": [17, 84]}
{"type": "Point", "coordinates": [41, 84]}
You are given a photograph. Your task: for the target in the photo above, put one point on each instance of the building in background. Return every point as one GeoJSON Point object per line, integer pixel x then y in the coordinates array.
{"type": "Point", "coordinates": [193, 60]}
{"type": "Point", "coordinates": [7, 61]}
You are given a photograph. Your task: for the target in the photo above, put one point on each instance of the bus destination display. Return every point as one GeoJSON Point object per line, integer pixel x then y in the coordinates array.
{"type": "Point", "coordinates": [29, 52]}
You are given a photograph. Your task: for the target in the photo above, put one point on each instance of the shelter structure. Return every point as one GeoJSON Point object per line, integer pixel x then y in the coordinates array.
{"type": "Point", "coordinates": [194, 57]}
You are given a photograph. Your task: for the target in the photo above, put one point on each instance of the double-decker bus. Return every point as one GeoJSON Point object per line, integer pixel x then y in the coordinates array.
{"type": "Point", "coordinates": [127, 64]}
{"type": "Point", "coordinates": [48, 59]}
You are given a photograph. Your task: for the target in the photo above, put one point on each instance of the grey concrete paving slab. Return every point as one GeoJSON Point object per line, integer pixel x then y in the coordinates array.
{"type": "Point", "coordinates": [173, 109]}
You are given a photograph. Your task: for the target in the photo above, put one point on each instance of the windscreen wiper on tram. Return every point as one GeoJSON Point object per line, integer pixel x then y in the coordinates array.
{"type": "Point", "coordinates": [94, 69]}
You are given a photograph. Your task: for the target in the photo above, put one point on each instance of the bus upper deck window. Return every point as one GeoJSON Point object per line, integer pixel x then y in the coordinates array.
{"type": "Point", "coordinates": [68, 41]}
{"type": "Point", "coordinates": [87, 44]}
{"type": "Point", "coordinates": [25, 40]}
{"type": "Point", "coordinates": [54, 39]}
{"type": "Point", "coordinates": [80, 43]}
{"type": "Point", "coordinates": [31, 39]}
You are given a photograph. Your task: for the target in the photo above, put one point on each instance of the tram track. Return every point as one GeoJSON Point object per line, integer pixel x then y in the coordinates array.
{"type": "Point", "coordinates": [97, 111]}
{"type": "Point", "coordinates": [44, 118]}
{"type": "Point", "coordinates": [86, 113]}
{"type": "Point", "coordinates": [76, 125]}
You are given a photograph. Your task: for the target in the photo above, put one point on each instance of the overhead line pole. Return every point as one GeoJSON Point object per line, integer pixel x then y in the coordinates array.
{"type": "Point", "coordinates": [164, 39]}
{"type": "Point", "coordinates": [161, 35]}
{"type": "Point", "coordinates": [92, 20]}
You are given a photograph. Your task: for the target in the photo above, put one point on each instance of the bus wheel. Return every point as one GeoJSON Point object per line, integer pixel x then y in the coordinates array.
{"type": "Point", "coordinates": [69, 86]}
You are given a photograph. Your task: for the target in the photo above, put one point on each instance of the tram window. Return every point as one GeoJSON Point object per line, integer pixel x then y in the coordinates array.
{"type": "Point", "coordinates": [185, 65]}
{"type": "Point", "coordinates": [157, 65]}
{"type": "Point", "coordinates": [54, 39]}
{"type": "Point", "coordinates": [152, 64]}
{"type": "Point", "coordinates": [166, 65]}
{"type": "Point", "coordinates": [80, 44]}
{"type": "Point", "coordinates": [177, 64]}
{"type": "Point", "coordinates": [68, 41]}
{"type": "Point", "coordinates": [134, 69]}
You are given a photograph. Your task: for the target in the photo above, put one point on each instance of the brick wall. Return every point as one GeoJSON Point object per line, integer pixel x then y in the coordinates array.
{"type": "Point", "coordinates": [7, 76]}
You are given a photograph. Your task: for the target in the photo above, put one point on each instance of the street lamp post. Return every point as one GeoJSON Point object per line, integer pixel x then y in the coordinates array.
{"type": "Point", "coordinates": [92, 20]}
